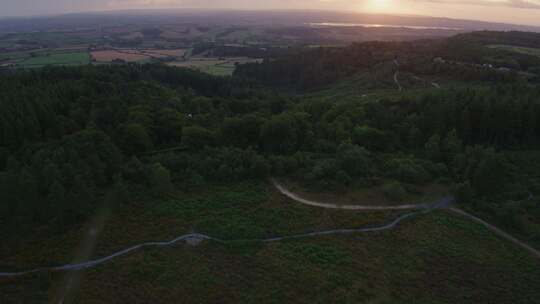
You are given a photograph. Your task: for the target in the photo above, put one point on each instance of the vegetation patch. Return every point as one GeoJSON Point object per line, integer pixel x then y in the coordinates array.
{"type": "Point", "coordinates": [112, 55]}
{"type": "Point", "coordinates": [517, 49]}
{"type": "Point", "coordinates": [60, 59]}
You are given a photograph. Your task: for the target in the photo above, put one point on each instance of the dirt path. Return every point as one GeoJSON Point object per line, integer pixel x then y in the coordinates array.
{"type": "Point", "coordinates": [497, 231]}
{"type": "Point", "coordinates": [72, 280]}
{"type": "Point", "coordinates": [442, 203]}
{"type": "Point", "coordinates": [195, 238]}
{"type": "Point", "coordinates": [433, 83]}
{"type": "Point", "coordinates": [445, 201]}
{"type": "Point", "coordinates": [396, 74]}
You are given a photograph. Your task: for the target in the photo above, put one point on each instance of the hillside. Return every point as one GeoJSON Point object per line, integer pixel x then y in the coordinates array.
{"type": "Point", "coordinates": [130, 182]}
{"type": "Point", "coordinates": [466, 57]}
{"type": "Point", "coordinates": [436, 257]}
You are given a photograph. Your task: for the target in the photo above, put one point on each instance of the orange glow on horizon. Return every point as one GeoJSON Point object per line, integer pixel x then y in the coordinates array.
{"type": "Point", "coordinates": [381, 6]}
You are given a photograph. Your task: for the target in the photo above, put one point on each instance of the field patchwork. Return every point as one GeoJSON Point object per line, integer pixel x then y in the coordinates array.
{"type": "Point", "coordinates": [517, 49]}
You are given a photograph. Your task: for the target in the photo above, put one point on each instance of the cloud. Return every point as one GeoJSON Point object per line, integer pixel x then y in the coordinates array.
{"type": "Point", "coordinates": [529, 7]}
{"type": "Point", "coordinates": [310, 4]}
{"type": "Point", "coordinates": [522, 4]}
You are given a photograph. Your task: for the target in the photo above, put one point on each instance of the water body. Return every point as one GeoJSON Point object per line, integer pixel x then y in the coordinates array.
{"type": "Point", "coordinates": [373, 25]}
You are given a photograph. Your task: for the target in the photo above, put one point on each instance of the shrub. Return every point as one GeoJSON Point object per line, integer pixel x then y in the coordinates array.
{"type": "Point", "coordinates": [343, 178]}
{"type": "Point", "coordinates": [407, 170]}
{"type": "Point", "coordinates": [394, 191]}
{"type": "Point", "coordinates": [464, 193]}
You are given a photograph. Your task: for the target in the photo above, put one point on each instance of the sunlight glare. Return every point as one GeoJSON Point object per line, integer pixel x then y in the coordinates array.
{"type": "Point", "coordinates": [379, 6]}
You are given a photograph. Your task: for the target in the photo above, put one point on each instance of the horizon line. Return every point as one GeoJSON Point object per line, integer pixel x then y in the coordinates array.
{"type": "Point", "coordinates": [171, 10]}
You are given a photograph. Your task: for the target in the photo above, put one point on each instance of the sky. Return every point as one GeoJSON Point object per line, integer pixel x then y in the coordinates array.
{"type": "Point", "coordinates": [509, 11]}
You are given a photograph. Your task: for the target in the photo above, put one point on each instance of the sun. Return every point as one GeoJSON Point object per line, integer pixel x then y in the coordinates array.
{"type": "Point", "coordinates": [379, 6]}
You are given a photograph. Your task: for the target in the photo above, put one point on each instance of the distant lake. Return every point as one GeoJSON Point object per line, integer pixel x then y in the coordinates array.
{"type": "Point", "coordinates": [415, 27]}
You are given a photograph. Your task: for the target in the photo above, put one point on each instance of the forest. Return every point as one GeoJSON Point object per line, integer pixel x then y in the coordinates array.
{"type": "Point", "coordinates": [462, 58]}
{"type": "Point", "coordinates": [70, 136]}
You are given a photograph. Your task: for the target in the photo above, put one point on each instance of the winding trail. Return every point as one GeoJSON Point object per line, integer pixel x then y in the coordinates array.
{"type": "Point", "coordinates": [200, 237]}
{"type": "Point", "coordinates": [433, 83]}
{"type": "Point", "coordinates": [497, 231]}
{"type": "Point", "coordinates": [396, 74]}
{"type": "Point", "coordinates": [197, 237]}
{"type": "Point", "coordinates": [444, 202]}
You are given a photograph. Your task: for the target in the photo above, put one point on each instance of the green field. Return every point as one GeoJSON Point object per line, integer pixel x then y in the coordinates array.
{"type": "Point", "coordinates": [225, 69]}
{"type": "Point", "coordinates": [76, 58]}
{"type": "Point", "coordinates": [517, 49]}
{"type": "Point", "coordinates": [433, 258]}
{"type": "Point", "coordinates": [213, 66]}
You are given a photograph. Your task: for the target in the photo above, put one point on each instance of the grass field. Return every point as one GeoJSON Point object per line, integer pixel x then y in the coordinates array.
{"type": "Point", "coordinates": [14, 55]}
{"type": "Point", "coordinates": [517, 49]}
{"type": "Point", "coordinates": [166, 53]}
{"type": "Point", "coordinates": [213, 66]}
{"type": "Point", "coordinates": [75, 58]}
{"type": "Point", "coordinates": [434, 258]}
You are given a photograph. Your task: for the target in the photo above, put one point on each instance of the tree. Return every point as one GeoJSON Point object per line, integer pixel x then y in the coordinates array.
{"type": "Point", "coordinates": [394, 191]}
{"type": "Point", "coordinates": [452, 146]}
{"type": "Point", "coordinates": [160, 179]}
{"type": "Point", "coordinates": [241, 132]}
{"type": "Point", "coordinates": [406, 170]}
{"type": "Point", "coordinates": [134, 170]}
{"type": "Point", "coordinates": [414, 138]}
{"type": "Point", "coordinates": [169, 123]}
{"type": "Point", "coordinates": [197, 137]}
{"type": "Point", "coordinates": [28, 188]}
{"type": "Point", "coordinates": [371, 138]}
{"type": "Point", "coordinates": [464, 193]}
{"type": "Point", "coordinates": [433, 147]}
{"type": "Point", "coordinates": [134, 138]}
{"type": "Point", "coordinates": [354, 160]}
{"type": "Point", "coordinates": [81, 192]}
{"type": "Point", "coordinates": [56, 197]}
{"type": "Point", "coordinates": [278, 134]}
{"type": "Point", "coordinates": [491, 176]}
{"type": "Point", "coordinates": [343, 178]}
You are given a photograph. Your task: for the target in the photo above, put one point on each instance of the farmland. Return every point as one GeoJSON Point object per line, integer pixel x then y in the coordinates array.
{"type": "Point", "coordinates": [517, 49]}
{"type": "Point", "coordinates": [136, 55]}
{"type": "Point", "coordinates": [112, 55]}
{"type": "Point", "coordinates": [77, 58]}
{"type": "Point", "coordinates": [45, 58]}
{"type": "Point", "coordinates": [214, 66]}
{"type": "Point", "coordinates": [81, 55]}
{"type": "Point", "coordinates": [220, 66]}
{"type": "Point", "coordinates": [175, 53]}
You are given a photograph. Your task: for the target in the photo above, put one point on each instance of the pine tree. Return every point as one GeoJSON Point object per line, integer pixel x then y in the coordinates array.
{"type": "Point", "coordinates": [56, 197]}
{"type": "Point", "coordinates": [433, 147]}
{"type": "Point", "coordinates": [160, 179]}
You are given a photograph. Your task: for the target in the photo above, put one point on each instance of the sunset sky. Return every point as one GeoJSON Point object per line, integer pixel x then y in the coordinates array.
{"type": "Point", "coordinates": [510, 11]}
